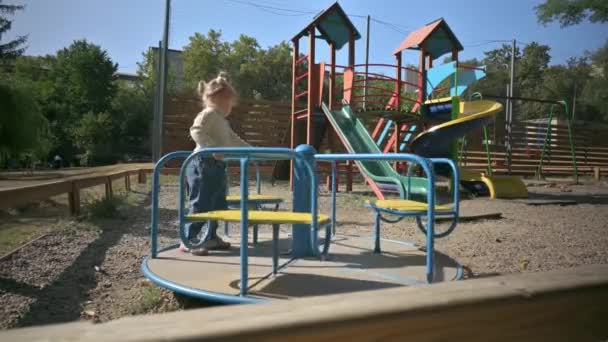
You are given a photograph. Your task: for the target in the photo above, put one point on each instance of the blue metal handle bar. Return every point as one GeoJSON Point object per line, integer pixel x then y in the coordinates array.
{"type": "Point", "coordinates": [155, 191]}
{"type": "Point", "coordinates": [427, 168]}
{"type": "Point", "coordinates": [455, 206]}
{"type": "Point", "coordinates": [456, 177]}
{"type": "Point", "coordinates": [248, 154]}
{"type": "Point", "coordinates": [333, 194]}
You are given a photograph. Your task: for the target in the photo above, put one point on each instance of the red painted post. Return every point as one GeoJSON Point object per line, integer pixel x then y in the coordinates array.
{"type": "Point", "coordinates": [332, 76]}
{"type": "Point", "coordinates": [311, 83]}
{"type": "Point", "coordinates": [294, 74]}
{"type": "Point", "coordinates": [398, 104]}
{"type": "Point", "coordinates": [349, 176]}
{"type": "Point", "coordinates": [332, 93]}
{"type": "Point", "coordinates": [398, 85]}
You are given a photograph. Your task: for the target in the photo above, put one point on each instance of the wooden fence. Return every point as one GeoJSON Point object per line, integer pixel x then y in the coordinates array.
{"type": "Point", "coordinates": [266, 123]}
{"type": "Point", "coordinates": [563, 305]}
{"type": "Point", "coordinates": [259, 122]}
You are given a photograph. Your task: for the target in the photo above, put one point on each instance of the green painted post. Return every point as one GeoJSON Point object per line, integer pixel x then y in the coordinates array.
{"type": "Point", "coordinates": [572, 149]}
{"type": "Point", "coordinates": [463, 144]}
{"type": "Point", "coordinates": [455, 111]}
{"type": "Point", "coordinates": [539, 171]}
{"type": "Point", "coordinates": [455, 85]}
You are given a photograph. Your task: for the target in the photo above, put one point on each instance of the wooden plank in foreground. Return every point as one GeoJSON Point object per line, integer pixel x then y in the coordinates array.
{"type": "Point", "coordinates": [565, 305]}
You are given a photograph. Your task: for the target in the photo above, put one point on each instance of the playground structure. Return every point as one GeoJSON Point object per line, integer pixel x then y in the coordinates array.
{"type": "Point", "coordinates": [315, 259]}
{"type": "Point", "coordinates": [414, 121]}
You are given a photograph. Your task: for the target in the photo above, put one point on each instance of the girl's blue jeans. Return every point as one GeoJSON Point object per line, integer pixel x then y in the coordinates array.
{"type": "Point", "coordinates": [207, 191]}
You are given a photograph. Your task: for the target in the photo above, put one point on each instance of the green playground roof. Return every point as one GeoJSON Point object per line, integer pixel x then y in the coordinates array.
{"type": "Point", "coordinates": [436, 37]}
{"type": "Point", "coordinates": [334, 26]}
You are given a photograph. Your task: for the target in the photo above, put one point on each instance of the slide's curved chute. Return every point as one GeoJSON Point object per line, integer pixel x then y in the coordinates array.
{"type": "Point", "coordinates": [437, 142]}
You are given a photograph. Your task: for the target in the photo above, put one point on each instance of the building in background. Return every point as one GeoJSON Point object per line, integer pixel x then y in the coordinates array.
{"type": "Point", "coordinates": [175, 72]}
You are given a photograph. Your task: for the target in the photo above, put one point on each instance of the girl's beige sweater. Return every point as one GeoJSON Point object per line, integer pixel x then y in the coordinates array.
{"type": "Point", "coordinates": [211, 129]}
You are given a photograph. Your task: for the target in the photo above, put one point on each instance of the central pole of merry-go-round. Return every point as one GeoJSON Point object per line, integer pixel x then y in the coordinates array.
{"type": "Point", "coordinates": [301, 239]}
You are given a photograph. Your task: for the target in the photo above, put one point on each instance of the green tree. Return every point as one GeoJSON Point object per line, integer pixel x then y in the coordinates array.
{"type": "Point", "coordinates": [273, 72]}
{"type": "Point", "coordinates": [23, 128]}
{"type": "Point", "coordinates": [595, 93]}
{"type": "Point", "coordinates": [83, 76]}
{"type": "Point", "coordinates": [255, 72]}
{"type": "Point", "coordinates": [13, 48]}
{"type": "Point", "coordinates": [131, 116]}
{"type": "Point", "coordinates": [94, 134]}
{"type": "Point", "coordinates": [497, 62]}
{"type": "Point", "coordinates": [204, 56]}
{"type": "Point", "coordinates": [572, 12]}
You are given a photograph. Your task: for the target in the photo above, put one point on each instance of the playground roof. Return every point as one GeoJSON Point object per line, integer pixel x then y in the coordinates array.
{"type": "Point", "coordinates": [437, 38]}
{"type": "Point", "coordinates": [334, 26]}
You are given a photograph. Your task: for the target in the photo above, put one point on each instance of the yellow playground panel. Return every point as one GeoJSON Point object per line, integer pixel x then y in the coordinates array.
{"type": "Point", "coordinates": [498, 186]}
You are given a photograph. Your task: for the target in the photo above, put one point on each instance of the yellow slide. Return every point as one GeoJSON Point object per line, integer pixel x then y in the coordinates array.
{"type": "Point", "coordinates": [472, 115]}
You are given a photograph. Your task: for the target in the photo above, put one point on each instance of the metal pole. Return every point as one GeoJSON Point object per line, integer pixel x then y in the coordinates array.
{"type": "Point", "coordinates": [510, 101]}
{"type": "Point", "coordinates": [572, 148]}
{"type": "Point", "coordinates": [508, 130]}
{"type": "Point", "coordinates": [539, 170]}
{"type": "Point", "coordinates": [163, 79]}
{"type": "Point", "coordinates": [488, 155]}
{"type": "Point", "coordinates": [366, 61]}
{"type": "Point", "coordinates": [156, 58]}
{"type": "Point", "coordinates": [574, 103]}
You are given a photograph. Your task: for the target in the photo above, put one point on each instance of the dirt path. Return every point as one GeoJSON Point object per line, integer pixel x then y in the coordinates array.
{"type": "Point", "coordinates": [89, 268]}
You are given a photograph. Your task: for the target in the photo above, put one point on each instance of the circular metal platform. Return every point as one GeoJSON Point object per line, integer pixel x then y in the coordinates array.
{"type": "Point", "coordinates": [351, 266]}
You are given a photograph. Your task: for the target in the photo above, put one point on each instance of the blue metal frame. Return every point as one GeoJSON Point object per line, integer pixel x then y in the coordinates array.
{"type": "Point", "coordinates": [427, 166]}
{"type": "Point", "coordinates": [259, 203]}
{"type": "Point", "coordinates": [245, 155]}
{"type": "Point", "coordinates": [192, 292]}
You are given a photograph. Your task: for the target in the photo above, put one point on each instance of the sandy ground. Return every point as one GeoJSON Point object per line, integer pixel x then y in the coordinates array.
{"type": "Point", "coordinates": [89, 269]}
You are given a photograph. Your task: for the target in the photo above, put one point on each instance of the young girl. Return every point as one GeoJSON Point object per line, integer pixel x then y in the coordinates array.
{"type": "Point", "coordinates": [206, 176]}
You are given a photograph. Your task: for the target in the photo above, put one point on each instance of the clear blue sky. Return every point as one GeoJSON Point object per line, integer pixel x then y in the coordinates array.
{"type": "Point", "coordinates": [125, 28]}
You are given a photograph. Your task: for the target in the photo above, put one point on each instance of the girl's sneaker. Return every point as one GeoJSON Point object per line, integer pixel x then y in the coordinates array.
{"type": "Point", "coordinates": [216, 244]}
{"type": "Point", "coordinates": [200, 251]}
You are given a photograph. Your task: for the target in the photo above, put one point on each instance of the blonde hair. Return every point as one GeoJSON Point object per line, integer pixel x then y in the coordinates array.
{"type": "Point", "coordinates": [216, 88]}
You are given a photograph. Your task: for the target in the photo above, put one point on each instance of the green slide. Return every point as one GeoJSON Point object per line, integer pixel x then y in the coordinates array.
{"type": "Point", "coordinates": [379, 174]}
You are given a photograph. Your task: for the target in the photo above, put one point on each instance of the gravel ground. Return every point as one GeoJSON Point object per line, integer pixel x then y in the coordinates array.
{"type": "Point", "coordinates": [88, 269]}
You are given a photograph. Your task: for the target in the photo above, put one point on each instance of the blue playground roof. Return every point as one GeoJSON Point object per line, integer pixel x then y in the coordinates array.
{"type": "Point", "coordinates": [334, 26]}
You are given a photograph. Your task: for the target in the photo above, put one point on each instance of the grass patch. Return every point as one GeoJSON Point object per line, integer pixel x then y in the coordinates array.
{"type": "Point", "coordinates": [149, 298]}
{"type": "Point", "coordinates": [106, 208]}
{"type": "Point", "coordinates": [15, 235]}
